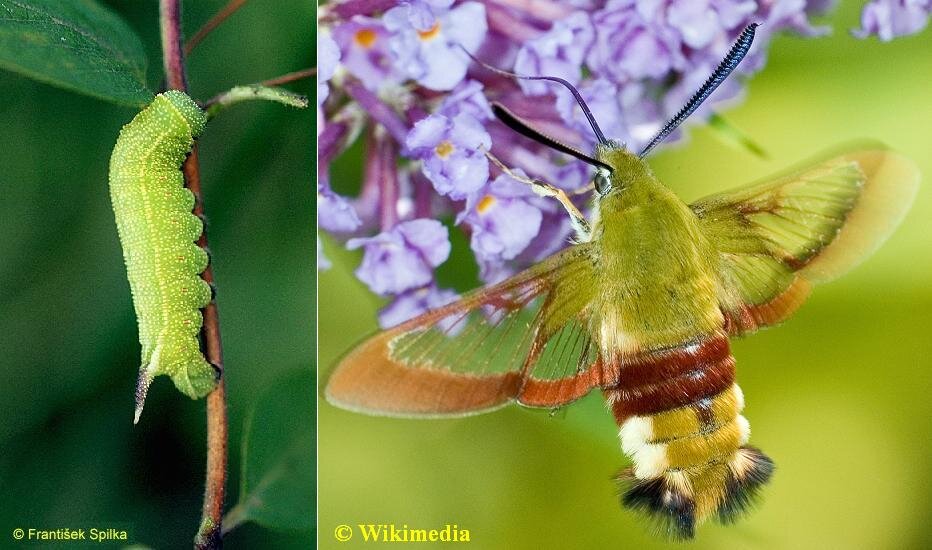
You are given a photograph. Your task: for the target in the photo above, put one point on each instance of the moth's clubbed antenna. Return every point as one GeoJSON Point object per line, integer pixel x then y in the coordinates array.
{"type": "Point", "coordinates": [735, 55]}
{"type": "Point", "coordinates": [570, 87]}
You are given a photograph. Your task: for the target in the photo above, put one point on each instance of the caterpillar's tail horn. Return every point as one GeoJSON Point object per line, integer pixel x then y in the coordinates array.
{"type": "Point", "coordinates": [142, 388]}
{"type": "Point", "coordinates": [678, 501]}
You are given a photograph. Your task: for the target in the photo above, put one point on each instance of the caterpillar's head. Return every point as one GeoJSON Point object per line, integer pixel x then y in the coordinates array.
{"type": "Point", "coordinates": [187, 108]}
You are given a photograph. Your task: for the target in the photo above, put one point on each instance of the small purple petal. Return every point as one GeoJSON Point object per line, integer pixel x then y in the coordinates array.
{"type": "Point", "coordinates": [420, 16]}
{"type": "Point", "coordinates": [388, 267]}
{"type": "Point", "coordinates": [507, 230]}
{"type": "Point", "coordinates": [364, 43]}
{"type": "Point", "coordinates": [632, 42]}
{"type": "Point", "coordinates": [328, 56]}
{"type": "Point", "coordinates": [555, 233]}
{"type": "Point", "coordinates": [889, 19]}
{"type": "Point", "coordinates": [457, 175]}
{"type": "Point", "coordinates": [334, 212]}
{"type": "Point", "coordinates": [414, 302]}
{"type": "Point", "coordinates": [430, 237]}
{"type": "Point", "coordinates": [697, 22]}
{"type": "Point", "coordinates": [466, 26]}
{"type": "Point", "coordinates": [396, 260]}
{"type": "Point", "coordinates": [432, 55]}
{"type": "Point", "coordinates": [427, 133]}
{"type": "Point", "coordinates": [467, 98]}
{"type": "Point", "coordinates": [452, 153]}
{"type": "Point", "coordinates": [558, 52]}
{"type": "Point", "coordinates": [502, 218]}
{"type": "Point", "coordinates": [468, 132]}
{"type": "Point", "coordinates": [735, 14]}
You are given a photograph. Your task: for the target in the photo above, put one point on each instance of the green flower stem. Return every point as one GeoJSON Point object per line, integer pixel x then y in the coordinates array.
{"type": "Point", "coordinates": [253, 92]}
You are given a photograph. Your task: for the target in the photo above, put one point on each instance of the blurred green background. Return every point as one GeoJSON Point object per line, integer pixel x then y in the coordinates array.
{"type": "Point", "coordinates": [71, 456]}
{"type": "Point", "coordinates": [838, 396]}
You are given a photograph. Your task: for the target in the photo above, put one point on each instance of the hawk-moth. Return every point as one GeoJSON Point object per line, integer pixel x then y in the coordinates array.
{"type": "Point", "coordinates": [158, 231]}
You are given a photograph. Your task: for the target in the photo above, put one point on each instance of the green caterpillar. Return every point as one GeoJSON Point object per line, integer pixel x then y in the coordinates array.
{"type": "Point", "coordinates": [158, 232]}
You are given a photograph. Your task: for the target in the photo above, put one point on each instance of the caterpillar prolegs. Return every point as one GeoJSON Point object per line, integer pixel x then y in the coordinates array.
{"type": "Point", "coordinates": [158, 231]}
{"type": "Point", "coordinates": [679, 416]}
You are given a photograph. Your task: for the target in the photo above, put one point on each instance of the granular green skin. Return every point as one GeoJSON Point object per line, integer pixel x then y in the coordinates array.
{"type": "Point", "coordinates": [158, 232]}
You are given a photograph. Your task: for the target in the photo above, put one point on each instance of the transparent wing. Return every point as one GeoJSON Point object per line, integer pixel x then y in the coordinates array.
{"type": "Point", "coordinates": [778, 237]}
{"type": "Point", "coordinates": [526, 339]}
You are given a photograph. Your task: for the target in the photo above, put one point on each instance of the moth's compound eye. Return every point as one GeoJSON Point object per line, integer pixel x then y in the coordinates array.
{"type": "Point", "coordinates": [603, 181]}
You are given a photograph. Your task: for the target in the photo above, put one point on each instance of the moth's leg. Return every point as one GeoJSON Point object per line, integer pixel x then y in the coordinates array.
{"type": "Point", "coordinates": [589, 188]}
{"type": "Point", "coordinates": [544, 189]}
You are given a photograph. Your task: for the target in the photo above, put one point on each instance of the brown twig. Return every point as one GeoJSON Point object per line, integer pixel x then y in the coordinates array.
{"type": "Point", "coordinates": [289, 77]}
{"type": "Point", "coordinates": [212, 24]}
{"type": "Point", "coordinates": [172, 57]}
{"type": "Point", "coordinates": [209, 532]}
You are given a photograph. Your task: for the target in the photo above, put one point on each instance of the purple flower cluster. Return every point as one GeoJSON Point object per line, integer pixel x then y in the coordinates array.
{"type": "Point", "coordinates": [889, 19]}
{"type": "Point", "coordinates": [396, 74]}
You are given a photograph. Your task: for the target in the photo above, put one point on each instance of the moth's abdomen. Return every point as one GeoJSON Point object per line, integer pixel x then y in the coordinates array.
{"type": "Point", "coordinates": [158, 232]}
{"type": "Point", "coordinates": [679, 416]}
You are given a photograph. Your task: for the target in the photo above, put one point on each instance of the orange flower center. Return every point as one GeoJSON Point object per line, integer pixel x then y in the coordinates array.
{"type": "Point", "coordinates": [444, 149]}
{"type": "Point", "coordinates": [487, 202]}
{"type": "Point", "coordinates": [430, 33]}
{"type": "Point", "coordinates": [365, 38]}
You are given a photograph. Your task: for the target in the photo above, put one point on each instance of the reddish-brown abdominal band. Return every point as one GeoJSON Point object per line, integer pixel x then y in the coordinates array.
{"type": "Point", "coordinates": [672, 378]}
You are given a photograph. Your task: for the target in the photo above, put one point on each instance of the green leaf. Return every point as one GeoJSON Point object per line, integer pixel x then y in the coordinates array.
{"type": "Point", "coordinates": [279, 472]}
{"type": "Point", "coordinates": [77, 45]}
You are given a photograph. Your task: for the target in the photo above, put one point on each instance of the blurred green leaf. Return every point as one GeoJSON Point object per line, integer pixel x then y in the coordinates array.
{"type": "Point", "coordinates": [79, 45]}
{"type": "Point", "coordinates": [731, 134]}
{"type": "Point", "coordinates": [279, 476]}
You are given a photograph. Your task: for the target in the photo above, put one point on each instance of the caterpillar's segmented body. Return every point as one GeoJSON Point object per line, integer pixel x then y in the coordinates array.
{"type": "Point", "coordinates": [158, 232]}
